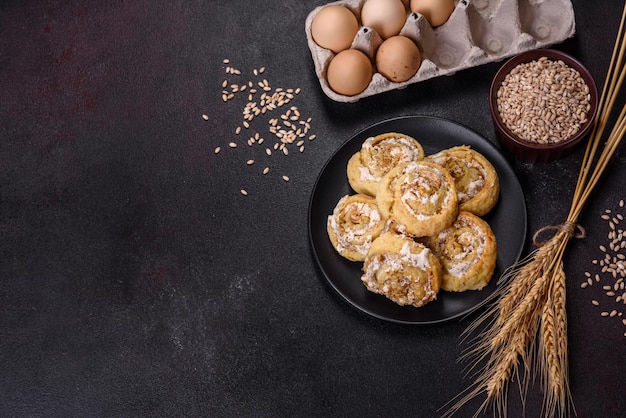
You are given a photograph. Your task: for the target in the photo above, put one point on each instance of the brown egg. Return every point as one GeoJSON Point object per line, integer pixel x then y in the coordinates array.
{"type": "Point", "coordinates": [398, 59]}
{"type": "Point", "coordinates": [349, 72]}
{"type": "Point", "coordinates": [436, 12]}
{"type": "Point", "coordinates": [334, 27]}
{"type": "Point", "coordinates": [386, 17]}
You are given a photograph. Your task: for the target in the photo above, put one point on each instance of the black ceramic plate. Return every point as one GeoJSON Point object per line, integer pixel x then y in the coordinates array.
{"type": "Point", "coordinates": [507, 220]}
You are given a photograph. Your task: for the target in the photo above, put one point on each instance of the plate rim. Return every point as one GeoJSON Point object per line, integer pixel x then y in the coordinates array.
{"type": "Point", "coordinates": [369, 312]}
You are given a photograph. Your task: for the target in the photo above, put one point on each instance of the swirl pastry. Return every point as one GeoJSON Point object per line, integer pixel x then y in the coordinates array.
{"type": "Point", "coordinates": [467, 250]}
{"type": "Point", "coordinates": [353, 225]}
{"type": "Point", "coordinates": [419, 195]}
{"type": "Point", "coordinates": [377, 156]}
{"type": "Point", "coordinates": [476, 180]}
{"type": "Point", "coordinates": [404, 271]}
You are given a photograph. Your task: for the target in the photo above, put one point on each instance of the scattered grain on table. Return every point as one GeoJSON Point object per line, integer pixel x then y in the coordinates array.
{"type": "Point", "coordinates": [612, 265]}
{"type": "Point", "coordinates": [264, 107]}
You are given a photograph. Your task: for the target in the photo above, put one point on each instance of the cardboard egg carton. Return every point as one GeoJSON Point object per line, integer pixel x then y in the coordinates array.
{"type": "Point", "coordinates": [477, 32]}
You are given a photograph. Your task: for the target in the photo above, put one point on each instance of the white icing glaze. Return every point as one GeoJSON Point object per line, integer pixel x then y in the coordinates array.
{"type": "Point", "coordinates": [366, 174]}
{"type": "Point", "coordinates": [356, 238]}
{"type": "Point", "coordinates": [419, 260]}
{"type": "Point", "coordinates": [458, 266]}
{"type": "Point", "coordinates": [397, 261]}
{"type": "Point", "coordinates": [402, 149]}
{"type": "Point", "coordinates": [470, 191]}
{"type": "Point", "coordinates": [431, 196]}
{"type": "Point", "coordinates": [473, 187]}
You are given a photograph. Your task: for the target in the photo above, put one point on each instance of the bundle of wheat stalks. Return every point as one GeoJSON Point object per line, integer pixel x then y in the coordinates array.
{"type": "Point", "coordinates": [525, 327]}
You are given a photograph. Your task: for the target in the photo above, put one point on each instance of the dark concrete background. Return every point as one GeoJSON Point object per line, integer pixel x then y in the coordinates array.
{"type": "Point", "coordinates": [135, 279]}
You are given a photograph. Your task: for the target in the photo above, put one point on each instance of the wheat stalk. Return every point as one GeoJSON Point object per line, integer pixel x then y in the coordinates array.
{"type": "Point", "coordinates": [524, 277]}
{"type": "Point", "coordinates": [508, 343]}
{"type": "Point", "coordinates": [553, 348]}
{"type": "Point", "coordinates": [527, 316]}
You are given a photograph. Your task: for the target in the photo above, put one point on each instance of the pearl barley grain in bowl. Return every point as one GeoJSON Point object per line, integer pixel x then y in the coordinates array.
{"type": "Point", "coordinates": [542, 103]}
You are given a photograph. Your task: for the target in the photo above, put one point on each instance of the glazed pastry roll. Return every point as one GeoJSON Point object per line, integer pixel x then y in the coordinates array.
{"type": "Point", "coordinates": [377, 156]}
{"type": "Point", "coordinates": [353, 225]}
{"type": "Point", "coordinates": [467, 250]}
{"type": "Point", "coordinates": [419, 195]}
{"type": "Point", "coordinates": [476, 180]}
{"type": "Point", "coordinates": [404, 271]}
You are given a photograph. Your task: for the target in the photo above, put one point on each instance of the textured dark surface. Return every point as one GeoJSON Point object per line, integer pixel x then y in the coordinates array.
{"type": "Point", "coordinates": [136, 280]}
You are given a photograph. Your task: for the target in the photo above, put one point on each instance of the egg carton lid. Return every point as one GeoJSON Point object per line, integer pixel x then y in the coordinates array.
{"type": "Point", "coordinates": [477, 32]}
